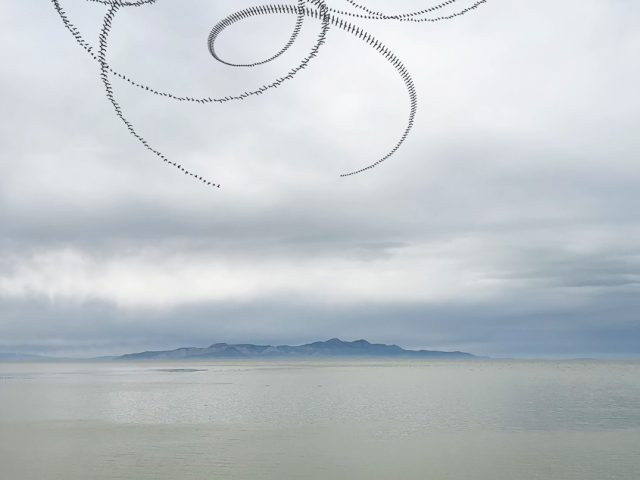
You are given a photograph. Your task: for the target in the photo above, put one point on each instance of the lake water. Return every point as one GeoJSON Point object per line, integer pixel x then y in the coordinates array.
{"type": "Point", "coordinates": [486, 420]}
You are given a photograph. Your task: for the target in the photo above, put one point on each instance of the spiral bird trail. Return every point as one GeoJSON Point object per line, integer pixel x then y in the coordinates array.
{"type": "Point", "coordinates": [316, 9]}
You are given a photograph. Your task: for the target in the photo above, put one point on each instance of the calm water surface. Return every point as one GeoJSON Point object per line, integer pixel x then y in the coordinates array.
{"type": "Point", "coordinates": [321, 420]}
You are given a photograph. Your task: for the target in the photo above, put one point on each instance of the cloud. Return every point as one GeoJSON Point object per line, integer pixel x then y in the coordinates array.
{"type": "Point", "coordinates": [504, 225]}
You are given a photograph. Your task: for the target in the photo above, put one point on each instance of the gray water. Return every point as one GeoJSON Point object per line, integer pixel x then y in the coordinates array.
{"type": "Point", "coordinates": [321, 420]}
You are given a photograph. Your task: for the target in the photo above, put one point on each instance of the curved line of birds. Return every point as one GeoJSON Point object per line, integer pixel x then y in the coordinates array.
{"type": "Point", "coordinates": [316, 9]}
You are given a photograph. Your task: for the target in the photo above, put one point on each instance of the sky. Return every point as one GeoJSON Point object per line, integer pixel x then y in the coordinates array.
{"type": "Point", "coordinates": [506, 225]}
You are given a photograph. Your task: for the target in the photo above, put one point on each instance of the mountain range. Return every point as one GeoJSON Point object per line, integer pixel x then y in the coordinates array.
{"type": "Point", "coordinates": [330, 348]}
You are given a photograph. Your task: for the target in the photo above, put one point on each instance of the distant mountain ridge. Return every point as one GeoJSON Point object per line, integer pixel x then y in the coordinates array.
{"type": "Point", "coordinates": [330, 348]}
{"type": "Point", "coordinates": [23, 357]}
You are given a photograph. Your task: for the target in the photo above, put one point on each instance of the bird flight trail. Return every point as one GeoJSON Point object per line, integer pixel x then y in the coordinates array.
{"type": "Point", "coordinates": [315, 9]}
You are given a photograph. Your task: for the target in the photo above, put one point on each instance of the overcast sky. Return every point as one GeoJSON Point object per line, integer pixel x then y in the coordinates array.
{"type": "Point", "coordinates": [507, 224]}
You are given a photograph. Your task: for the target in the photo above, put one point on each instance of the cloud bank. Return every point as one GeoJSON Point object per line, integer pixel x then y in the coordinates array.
{"type": "Point", "coordinates": [506, 225]}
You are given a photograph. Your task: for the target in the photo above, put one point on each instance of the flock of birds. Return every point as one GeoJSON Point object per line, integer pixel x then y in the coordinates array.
{"type": "Point", "coordinates": [317, 9]}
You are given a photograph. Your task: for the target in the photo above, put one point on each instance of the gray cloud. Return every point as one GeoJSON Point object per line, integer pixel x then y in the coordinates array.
{"type": "Point", "coordinates": [506, 225]}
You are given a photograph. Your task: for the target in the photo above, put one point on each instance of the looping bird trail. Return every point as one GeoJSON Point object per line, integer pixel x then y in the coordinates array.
{"type": "Point", "coordinates": [314, 9]}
